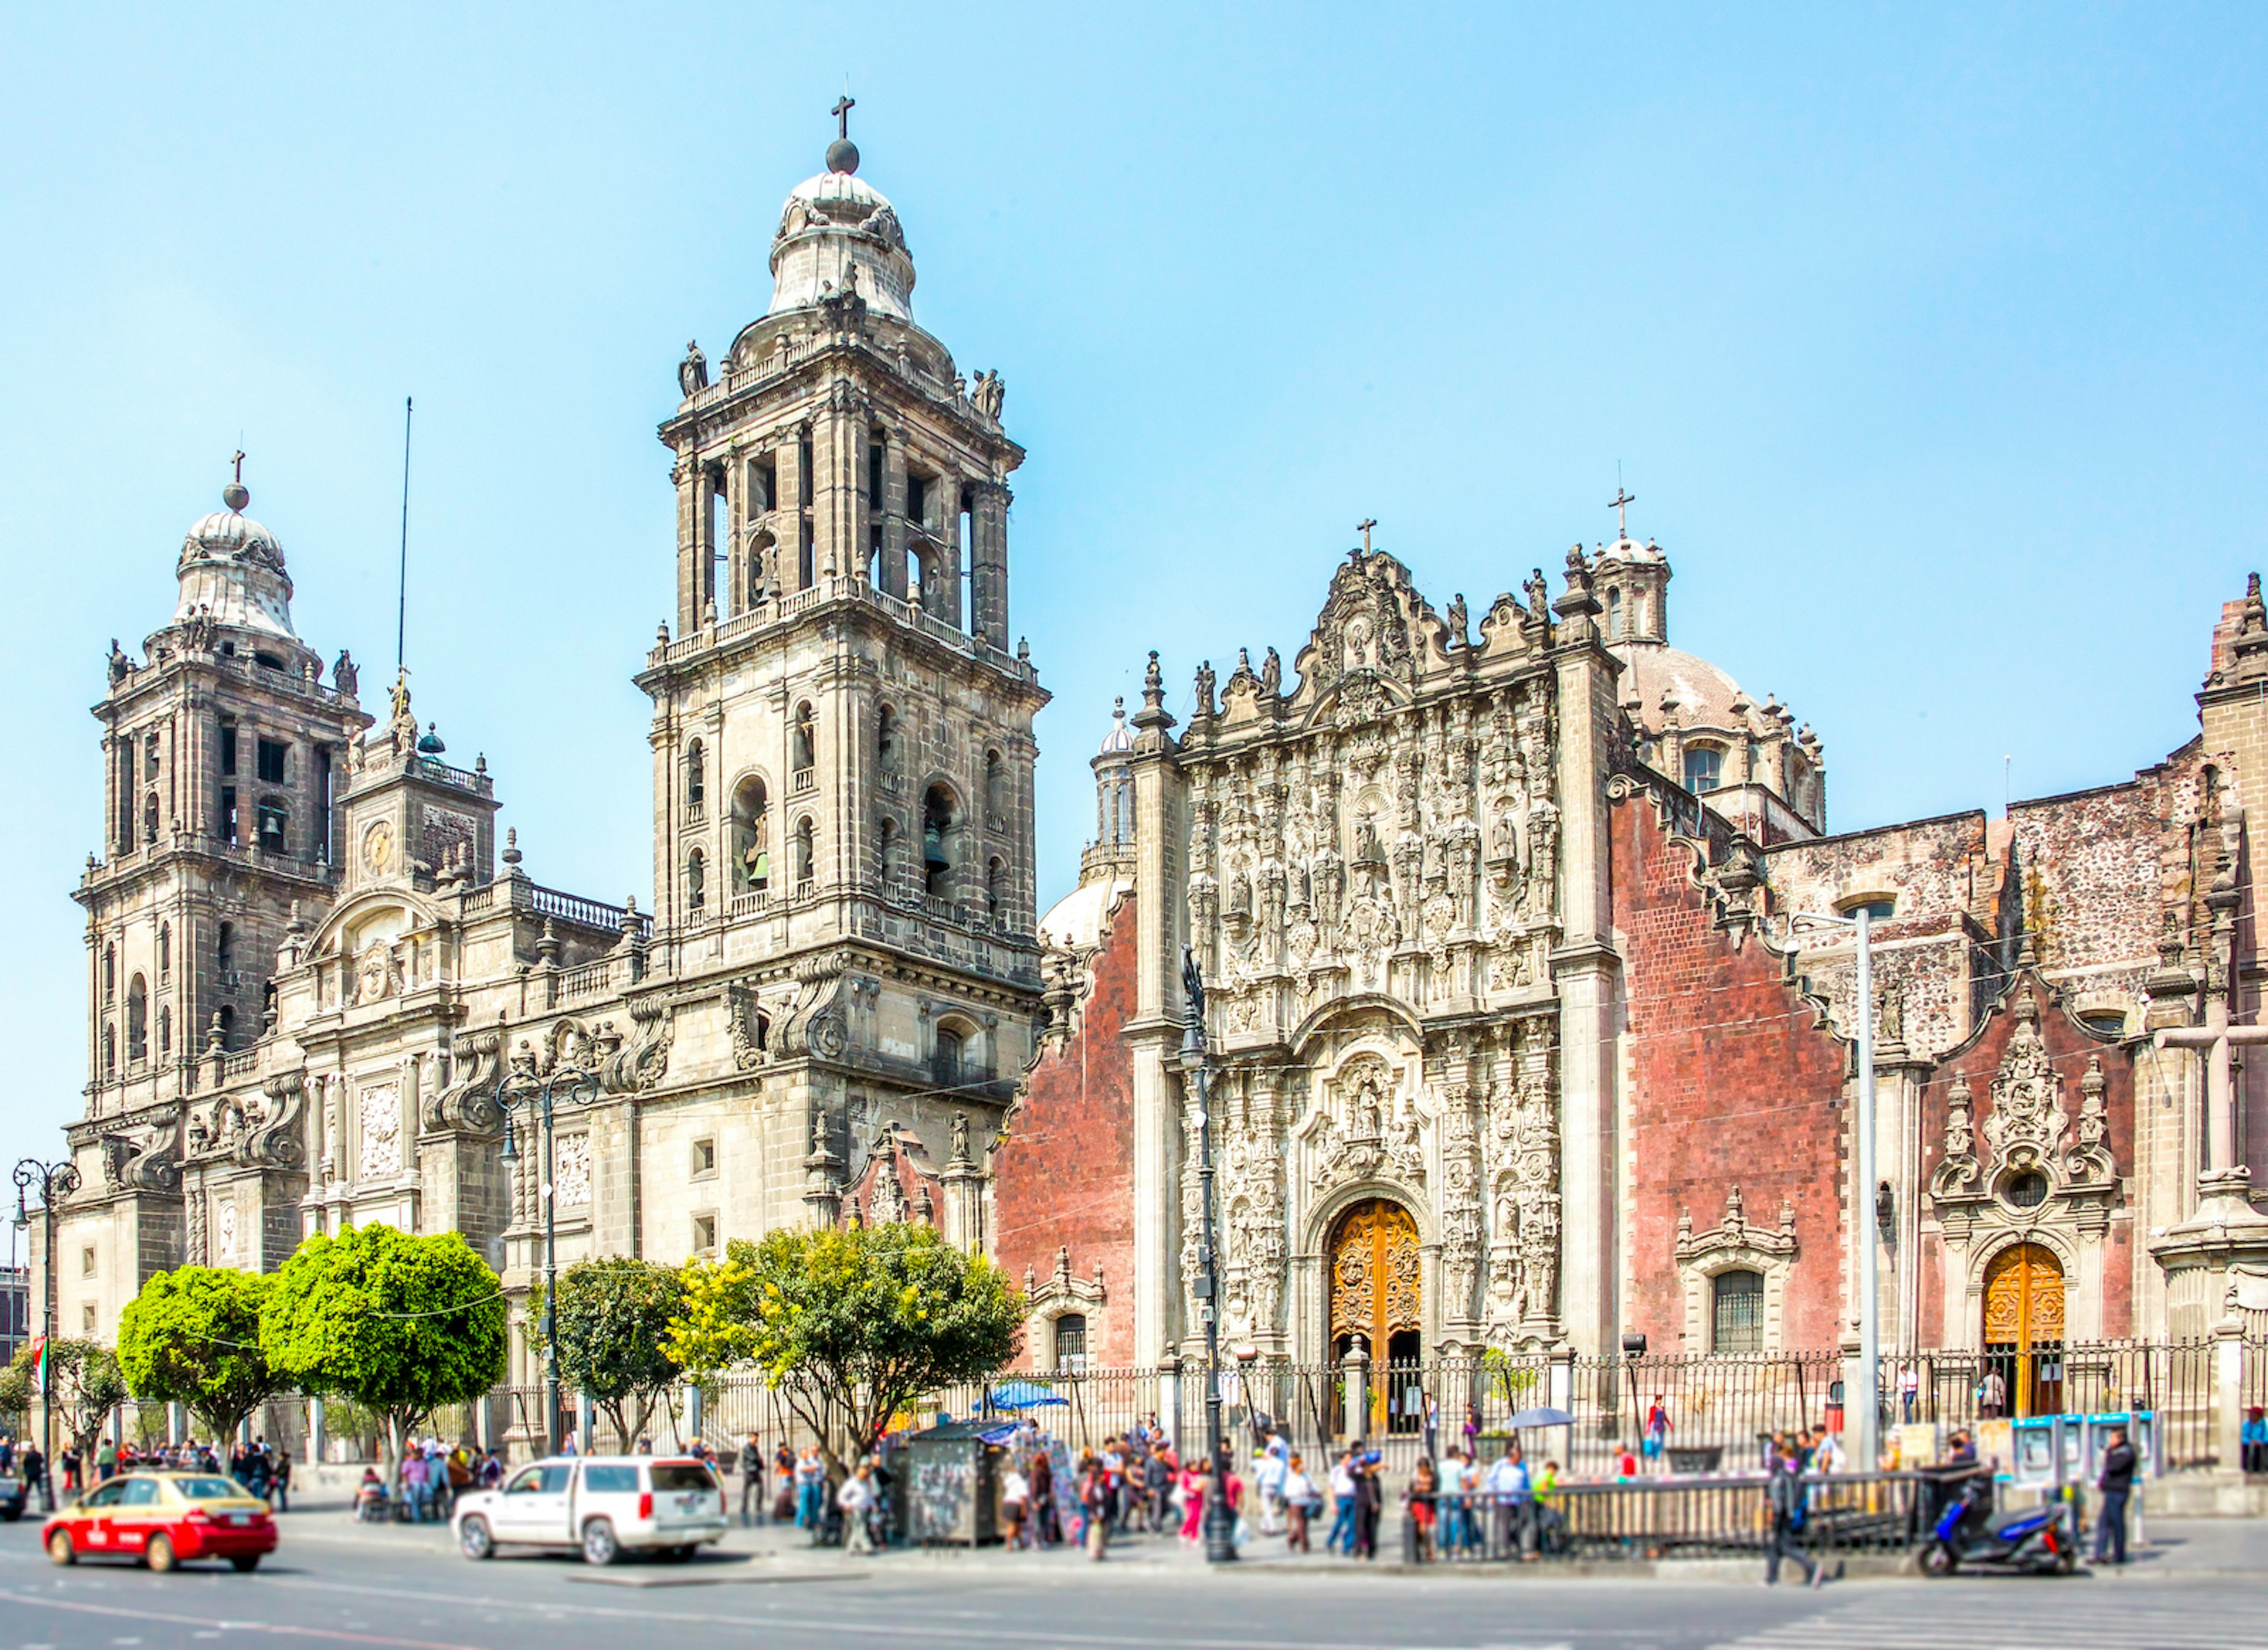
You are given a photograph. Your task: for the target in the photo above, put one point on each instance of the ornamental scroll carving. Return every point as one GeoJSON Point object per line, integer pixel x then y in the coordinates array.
{"type": "Point", "coordinates": [469, 1102]}
{"type": "Point", "coordinates": [1365, 1127]}
{"type": "Point", "coordinates": [2027, 1121]}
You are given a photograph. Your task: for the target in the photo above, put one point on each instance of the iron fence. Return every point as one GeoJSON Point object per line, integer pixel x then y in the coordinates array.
{"type": "Point", "coordinates": [1884, 1513]}
{"type": "Point", "coordinates": [2175, 1378]}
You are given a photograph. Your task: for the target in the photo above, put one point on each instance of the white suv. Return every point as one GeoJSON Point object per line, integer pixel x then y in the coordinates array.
{"type": "Point", "coordinates": [603, 1504]}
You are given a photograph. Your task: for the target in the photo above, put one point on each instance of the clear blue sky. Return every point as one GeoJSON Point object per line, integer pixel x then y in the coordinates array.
{"type": "Point", "coordinates": [1930, 340]}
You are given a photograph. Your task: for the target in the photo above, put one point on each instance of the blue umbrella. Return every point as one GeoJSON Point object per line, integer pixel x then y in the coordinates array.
{"type": "Point", "coordinates": [1542, 1417]}
{"type": "Point", "coordinates": [1023, 1395]}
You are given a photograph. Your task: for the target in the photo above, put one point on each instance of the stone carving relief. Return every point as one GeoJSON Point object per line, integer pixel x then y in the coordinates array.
{"type": "Point", "coordinates": [2086, 1160]}
{"type": "Point", "coordinates": [380, 1119]}
{"type": "Point", "coordinates": [1364, 1129]}
{"type": "Point", "coordinates": [1956, 1175]}
{"type": "Point", "coordinates": [224, 1229]}
{"type": "Point", "coordinates": [1523, 1160]}
{"type": "Point", "coordinates": [571, 1169]}
{"type": "Point", "coordinates": [469, 1099]}
{"type": "Point", "coordinates": [2027, 1121]}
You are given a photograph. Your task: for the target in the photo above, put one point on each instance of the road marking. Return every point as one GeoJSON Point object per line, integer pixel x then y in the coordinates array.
{"type": "Point", "coordinates": [226, 1625]}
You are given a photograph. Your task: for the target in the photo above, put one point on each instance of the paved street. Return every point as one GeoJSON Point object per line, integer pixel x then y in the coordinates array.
{"type": "Point", "coordinates": [333, 1583]}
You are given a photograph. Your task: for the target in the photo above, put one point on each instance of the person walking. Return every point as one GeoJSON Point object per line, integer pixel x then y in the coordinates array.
{"type": "Point", "coordinates": [2116, 1483]}
{"type": "Point", "coordinates": [752, 1465]}
{"type": "Point", "coordinates": [1300, 1501]}
{"type": "Point", "coordinates": [1193, 1500]}
{"type": "Point", "coordinates": [279, 1487]}
{"type": "Point", "coordinates": [1015, 1496]}
{"type": "Point", "coordinates": [856, 1498]}
{"type": "Point", "coordinates": [33, 1467]}
{"type": "Point", "coordinates": [1369, 1504]}
{"type": "Point", "coordinates": [1909, 1390]}
{"type": "Point", "coordinates": [1094, 1499]}
{"type": "Point", "coordinates": [1657, 1430]}
{"type": "Point", "coordinates": [1784, 1492]}
{"type": "Point", "coordinates": [1991, 1394]}
{"type": "Point", "coordinates": [1341, 1538]}
{"type": "Point", "coordinates": [2252, 1440]}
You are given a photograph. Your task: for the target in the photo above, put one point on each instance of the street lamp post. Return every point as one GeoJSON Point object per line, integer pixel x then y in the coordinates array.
{"type": "Point", "coordinates": [1865, 1223]}
{"type": "Point", "coordinates": [525, 1092]}
{"type": "Point", "coordinates": [56, 1182]}
{"type": "Point", "coordinates": [1220, 1522]}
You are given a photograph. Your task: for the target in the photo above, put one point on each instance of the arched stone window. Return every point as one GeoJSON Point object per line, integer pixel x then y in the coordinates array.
{"type": "Point", "coordinates": [165, 1031]}
{"type": "Point", "coordinates": [996, 784]}
{"type": "Point", "coordinates": [226, 1020]}
{"type": "Point", "coordinates": [150, 817]}
{"type": "Point", "coordinates": [806, 743]}
{"type": "Point", "coordinates": [697, 778]}
{"type": "Point", "coordinates": [224, 948]}
{"type": "Point", "coordinates": [1705, 768]}
{"type": "Point", "coordinates": [949, 1063]}
{"type": "Point", "coordinates": [940, 839]}
{"type": "Point", "coordinates": [137, 1022]}
{"type": "Point", "coordinates": [1614, 615]}
{"type": "Point", "coordinates": [807, 864]}
{"type": "Point", "coordinates": [697, 881]}
{"type": "Point", "coordinates": [109, 1050]}
{"type": "Point", "coordinates": [885, 738]}
{"type": "Point", "coordinates": [165, 951]}
{"type": "Point", "coordinates": [995, 883]}
{"type": "Point", "coordinates": [752, 857]}
{"type": "Point", "coordinates": [1071, 1341]}
{"type": "Point", "coordinates": [110, 973]}
{"type": "Point", "coordinates": [885, 844]}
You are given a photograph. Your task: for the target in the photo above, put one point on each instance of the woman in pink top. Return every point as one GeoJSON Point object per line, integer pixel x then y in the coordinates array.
{"type": "Point", "coordinates": [1193, 1499]}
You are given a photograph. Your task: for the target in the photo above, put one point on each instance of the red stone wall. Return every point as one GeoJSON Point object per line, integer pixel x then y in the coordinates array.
{"type": "Point", "coordinates": [1065, 1173]}
{"type": "Point", "coordinates": [1729, 1084]}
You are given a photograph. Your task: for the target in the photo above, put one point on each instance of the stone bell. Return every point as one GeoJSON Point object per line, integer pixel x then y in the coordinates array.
{"type": "Point", "coordinates": [933, 849]}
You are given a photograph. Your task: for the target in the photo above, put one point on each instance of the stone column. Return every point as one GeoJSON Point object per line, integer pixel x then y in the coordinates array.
{"type": "Point", "coordinates": [1154, 1036]}
{"type": "Point", "coordinates": [1355, 1368]}
{"type": "Point", "coordinates": [688, 476]}
{"type": "Point", "coordinates": [892, 504]}
{"type": "Point", "coordinates": [987, 565]}
{"type": "Point", "coordinates": [946, 586]}
{"type": "Point", "coordinates": [1587, 970]}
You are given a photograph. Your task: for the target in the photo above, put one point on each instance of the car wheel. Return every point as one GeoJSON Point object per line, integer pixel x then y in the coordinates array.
{"type": "Point", "coordinates": [599, 1543]}
{"type": "Point", "coordinates": [474, 1539]}
{"type": "Point", "coordinates": [245, 1562]}
{"type": "Point", "coordinates": [60, 1547]}
{"type": "Point", "coordinates": [12, 1513]}
{"type": "Point", "coordinates": [1938, 1560]}
{"type": "Point", "coordinates": [160, 1554]}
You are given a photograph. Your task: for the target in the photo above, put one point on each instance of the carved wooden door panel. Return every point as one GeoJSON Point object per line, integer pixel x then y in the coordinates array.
{"type": "Point", "coordinates": [1377, 1290]}
{"type": "Point", "coordinates": [2023, 1326]}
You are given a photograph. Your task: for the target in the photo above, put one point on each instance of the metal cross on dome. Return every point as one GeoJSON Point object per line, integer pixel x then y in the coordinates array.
{"type": "Point", "coordinates": [1364, 528]}
{"type": "Point", "coordinates": [1620, 505]}
{"type": "Point", "coordinates": [239, 466]}
{"type": "Point", "coordinates": [844, 105]}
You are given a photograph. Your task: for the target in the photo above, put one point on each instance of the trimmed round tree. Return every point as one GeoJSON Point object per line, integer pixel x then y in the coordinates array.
{"type": "Point", "coordinates": [614, 1321]}
{"type": "Point", "coordinates": [400, 1325]}
{"type": "Point", "coordinates": [192, 1337]}
{"type": "Point", "coordinates": [853, 1326]}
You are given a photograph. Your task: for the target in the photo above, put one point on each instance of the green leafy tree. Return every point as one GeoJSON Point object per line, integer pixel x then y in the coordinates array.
{"type": "Point", "coordinates": [192, 1337]}
{"type": "Point", "coordinates": [397, 1324]}
{"type": "Point", "coordinates": [614, 1319]}
{"type": "Point", "coordinates": [851, 1326]}
{"type": "Point", "coordinates": [87, 1384]}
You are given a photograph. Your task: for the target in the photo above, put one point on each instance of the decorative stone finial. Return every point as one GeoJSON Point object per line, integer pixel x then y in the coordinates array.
{"type": "Point", "coordinates": [236, 495]}
{"type": "Point", "coordinates": [842, 154]}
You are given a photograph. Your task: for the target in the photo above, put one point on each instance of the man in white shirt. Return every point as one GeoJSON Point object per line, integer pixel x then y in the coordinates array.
{"type": "Point", "coordinates": [856, 1498]}
{"type": "Point", "coordinates": [1512, 1490]}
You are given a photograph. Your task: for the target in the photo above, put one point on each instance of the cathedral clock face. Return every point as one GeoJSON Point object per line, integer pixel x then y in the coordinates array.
{"type": "Point", "coordinates": [378, 848]}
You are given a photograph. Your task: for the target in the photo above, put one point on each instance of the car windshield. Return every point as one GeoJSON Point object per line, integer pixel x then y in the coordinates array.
{"type": "Point", "coordinates": [209, 1489]}
{"type": "Point", "coordinates": [681, 1475]}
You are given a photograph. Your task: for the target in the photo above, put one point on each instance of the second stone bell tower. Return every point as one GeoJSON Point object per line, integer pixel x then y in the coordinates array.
{"type": "Point", "coordinates": [842, 735]}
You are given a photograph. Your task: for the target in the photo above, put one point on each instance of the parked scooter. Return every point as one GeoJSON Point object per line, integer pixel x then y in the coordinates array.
{"type": "Point", "coordinates": [2041, 1540]}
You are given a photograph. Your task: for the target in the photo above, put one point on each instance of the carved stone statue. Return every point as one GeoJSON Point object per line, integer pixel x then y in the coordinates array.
{"type": "Point", "coordinates": [693, 371]}
{"type": "Point", "coordinates": [1539, 597]}
{"type": "Point", "coordinates": [989, 394]}
{"type": "Point", "coordinates": [121, 666]}
{"type": "Point", "coordinates": [1460, 634]}
{"type": "Point", "coordinates": [1204, 689]}
{"type": "Point", "coordinates": [1271, 674]}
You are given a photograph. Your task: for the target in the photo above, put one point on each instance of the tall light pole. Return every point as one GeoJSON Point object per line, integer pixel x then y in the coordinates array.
{"type": "Point", "coordinates": [1864, 1220]}
{"type": "Point", "coordinates": [56, 1182]}
{"type": "Point", "coordinates": [1219, 1524]}
{"type": "Point", "coordinates": [525, 1092]}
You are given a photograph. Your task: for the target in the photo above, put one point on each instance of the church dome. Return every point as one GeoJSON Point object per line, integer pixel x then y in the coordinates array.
{"type": "Point", "coordinates": [232, 572]}
{"type": "Point", "coordinates": [837, 231]}
{"type": "Point", "coordinates": [1705, 695]}
{"type": "Point", "coordinates": [1119, 740]}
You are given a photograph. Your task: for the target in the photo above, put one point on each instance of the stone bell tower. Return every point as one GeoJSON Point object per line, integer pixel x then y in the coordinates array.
{"type": "Point", "coordinates": [842, 735]}
{"type": "Point", "coordinates": [224, 754]}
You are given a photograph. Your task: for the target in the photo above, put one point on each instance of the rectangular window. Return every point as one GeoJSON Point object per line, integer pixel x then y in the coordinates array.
{"type": "Point", "coordinates": [228, 814]}
{"type": "Point", "coordinates": [917, 499]}
{"type": "Point", "coordinates": [704, 1233]}
{"type": "Point", "coordinates": [271, 755]}
{"type": "Point", "coordinates": [228, 747]}
{"type": "Point", "coordinates": [323, 804]}
{"type": "Point", "coordinates": [1737, 1318]}
{"type": "Point", "coordinates": [1704, 769]}
{"type": "Point", "coordinates": [274, 834]}
{"type": "Point", "coordinates": [86, 1320]}
{"type": "Point", "coordinates": [803, 471]}
{"type": "Point", "coordinates": [86, 1262]}
{"type": "Point", "coordinates": [1071, 1341]}
{"type": "Point", "coordinates": [705, 1157]}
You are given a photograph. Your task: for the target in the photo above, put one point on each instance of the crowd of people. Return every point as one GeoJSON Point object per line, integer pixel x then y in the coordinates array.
{"type": "Point", "coordinates": [427, 1482]}
{"type": "Point", "coordinates": [263, 1470]}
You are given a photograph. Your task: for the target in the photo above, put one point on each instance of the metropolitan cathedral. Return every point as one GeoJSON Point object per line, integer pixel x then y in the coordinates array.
{"type": "Point", "coordinates": [1519, 1033]}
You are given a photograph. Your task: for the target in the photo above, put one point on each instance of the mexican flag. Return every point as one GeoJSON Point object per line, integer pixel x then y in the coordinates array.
{"type": "Point", "coordinates": [39, 1362]}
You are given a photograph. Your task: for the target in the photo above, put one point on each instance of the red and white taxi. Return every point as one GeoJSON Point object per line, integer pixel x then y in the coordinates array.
{"type": "Point", "coordinates": [163, 1519]}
